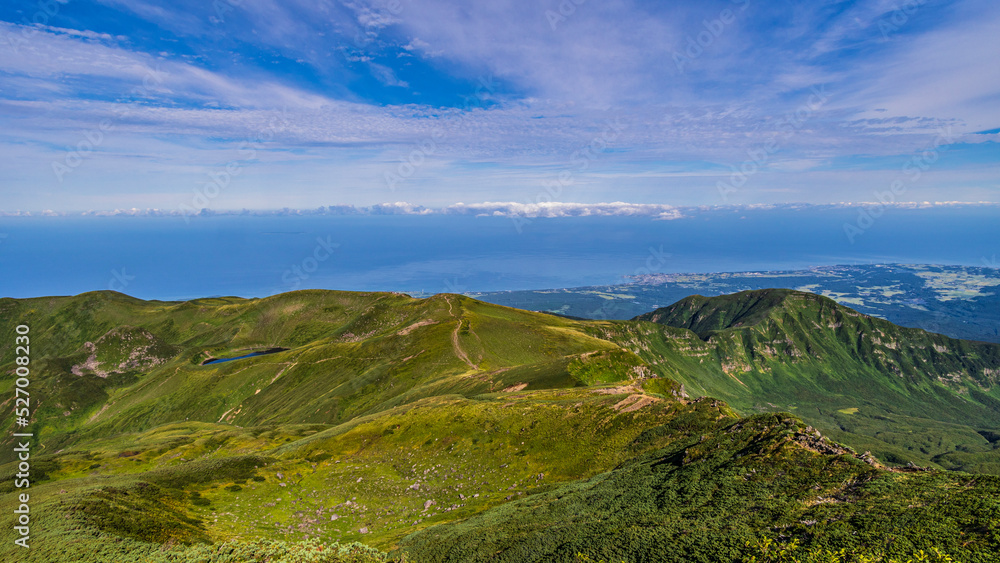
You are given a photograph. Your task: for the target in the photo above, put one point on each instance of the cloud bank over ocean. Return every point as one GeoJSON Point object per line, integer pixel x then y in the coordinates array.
{"type": "Point", "coordinates": [548, 210]}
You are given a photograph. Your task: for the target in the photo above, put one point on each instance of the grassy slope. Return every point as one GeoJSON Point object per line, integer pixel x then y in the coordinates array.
{"type": "Point", "coordinates": [350, 354]}
{"type": "Point", "coordinates": [447, 385]}
{"type": "Point", "coordinates": [716, 485]}
{"type": "Point", "coordinates": [380, 404]}
{"type": "Point", "coordinates": [905, 394]}
{"type": "Point", "coordinates": [191, 482]}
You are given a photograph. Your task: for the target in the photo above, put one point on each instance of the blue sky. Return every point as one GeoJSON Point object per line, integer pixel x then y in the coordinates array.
{"type": "Point", "coordinates": [261, 104]}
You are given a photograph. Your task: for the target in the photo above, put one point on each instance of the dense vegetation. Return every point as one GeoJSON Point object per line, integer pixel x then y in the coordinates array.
{"type": "Point", "coordinates": [732, 490]}
{"type": "Point", "coordinates": [450, 430]}
{"type": "Point", "coordinates": [905, 394]}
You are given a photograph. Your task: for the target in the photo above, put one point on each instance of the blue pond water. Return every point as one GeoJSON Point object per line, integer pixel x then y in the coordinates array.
{"type": "Point", "coordinates": [250, 355]}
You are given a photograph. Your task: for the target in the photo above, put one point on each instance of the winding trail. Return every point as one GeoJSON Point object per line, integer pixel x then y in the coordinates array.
{"type": "Point", "coordinates": [454, 339]}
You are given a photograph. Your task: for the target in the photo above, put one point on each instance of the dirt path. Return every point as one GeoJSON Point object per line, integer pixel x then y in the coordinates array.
{"type": "Point", "coordinates": [281, 371]}
{"type": "Point", "coordinates": [98, 413]}
{"type": "Point", "coordinates": [454, 339]}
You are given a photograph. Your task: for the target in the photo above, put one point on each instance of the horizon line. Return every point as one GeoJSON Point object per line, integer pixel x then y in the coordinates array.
{"type": "Point", "coordinates": [497, 209]}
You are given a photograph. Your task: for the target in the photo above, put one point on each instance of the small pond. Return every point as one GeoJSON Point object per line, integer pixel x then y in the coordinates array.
{"type": "Point", "coordinates": [250, 355]}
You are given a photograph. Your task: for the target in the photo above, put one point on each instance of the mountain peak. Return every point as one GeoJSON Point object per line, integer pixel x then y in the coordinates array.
{"type": "Point", "coordinates": [704, 315]}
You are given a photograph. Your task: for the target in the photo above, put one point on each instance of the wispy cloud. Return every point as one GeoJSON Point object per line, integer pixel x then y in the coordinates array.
{"type": "Point", "coordinates": [361, 83]}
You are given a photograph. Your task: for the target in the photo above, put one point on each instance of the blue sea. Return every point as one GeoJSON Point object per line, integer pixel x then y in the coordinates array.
{"type": "Point", "coordinates": [170, 258]}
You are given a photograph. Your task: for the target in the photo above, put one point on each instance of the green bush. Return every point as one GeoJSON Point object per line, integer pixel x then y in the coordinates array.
{"type": "Point", "coordinates": [769, 551]}
{"type": "Point", "coordinates": [267, 551]}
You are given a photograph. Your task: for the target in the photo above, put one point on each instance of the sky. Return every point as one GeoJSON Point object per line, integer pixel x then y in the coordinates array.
{"type": "Point", "coordinates": [267, 104]}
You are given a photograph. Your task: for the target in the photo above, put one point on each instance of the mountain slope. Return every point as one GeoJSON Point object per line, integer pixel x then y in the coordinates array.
{"type": "Point", "coordinates": [348, 355]}
{"type": "Point", "coordinates": [721, 490]}
{"type": "Point", "coordinates": [426, 423]}
{"type": "Point", "coordinates": [142, 440]}
{"type": "Point", "coordinates": [906, 394]}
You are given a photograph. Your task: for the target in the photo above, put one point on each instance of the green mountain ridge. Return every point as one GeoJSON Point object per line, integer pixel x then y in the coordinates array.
{"type": "Point", "coordinates": [866, 381]}
{"type": "Point", "coordinates": [349, 355]}
{"type": "Point", "coordinates": [959, 301]}
{"type": "Point", "coordinates": [422, 424]}
{"type": "Point", "coordinates": [705, 314]}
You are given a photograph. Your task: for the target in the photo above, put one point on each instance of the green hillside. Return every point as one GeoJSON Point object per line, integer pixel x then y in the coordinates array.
{"type": "Point", "coordinates": [905, 394]}
{"type": "Point", "coordinates": [135, 424]}
{"type": "Point", "coordinates": [727, 490]}
{"type": "Point", "coordinates": [456, 430]}
{"type": "Point", "coordinates": [349, 354]}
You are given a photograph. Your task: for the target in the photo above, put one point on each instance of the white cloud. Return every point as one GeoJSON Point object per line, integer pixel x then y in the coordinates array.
{"type": "Point", "coordinates": [550, 210]}
{"type": "Point", "coordinates": [399, 208]}
{"type": "Point", "coordinates": [564, 209]}
{"type": "Point", "coordinates": [102, 69]}
{"type": "Point", "coordinates": [386, 75]}
{"type": "Point", "coordinates": [938, 74]}
{"type": "Point", "coordinates": [556, 89]}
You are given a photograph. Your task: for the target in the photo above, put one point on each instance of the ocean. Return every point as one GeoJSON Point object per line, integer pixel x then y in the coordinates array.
{"type": "Point", "coordinates": [170, 258]}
